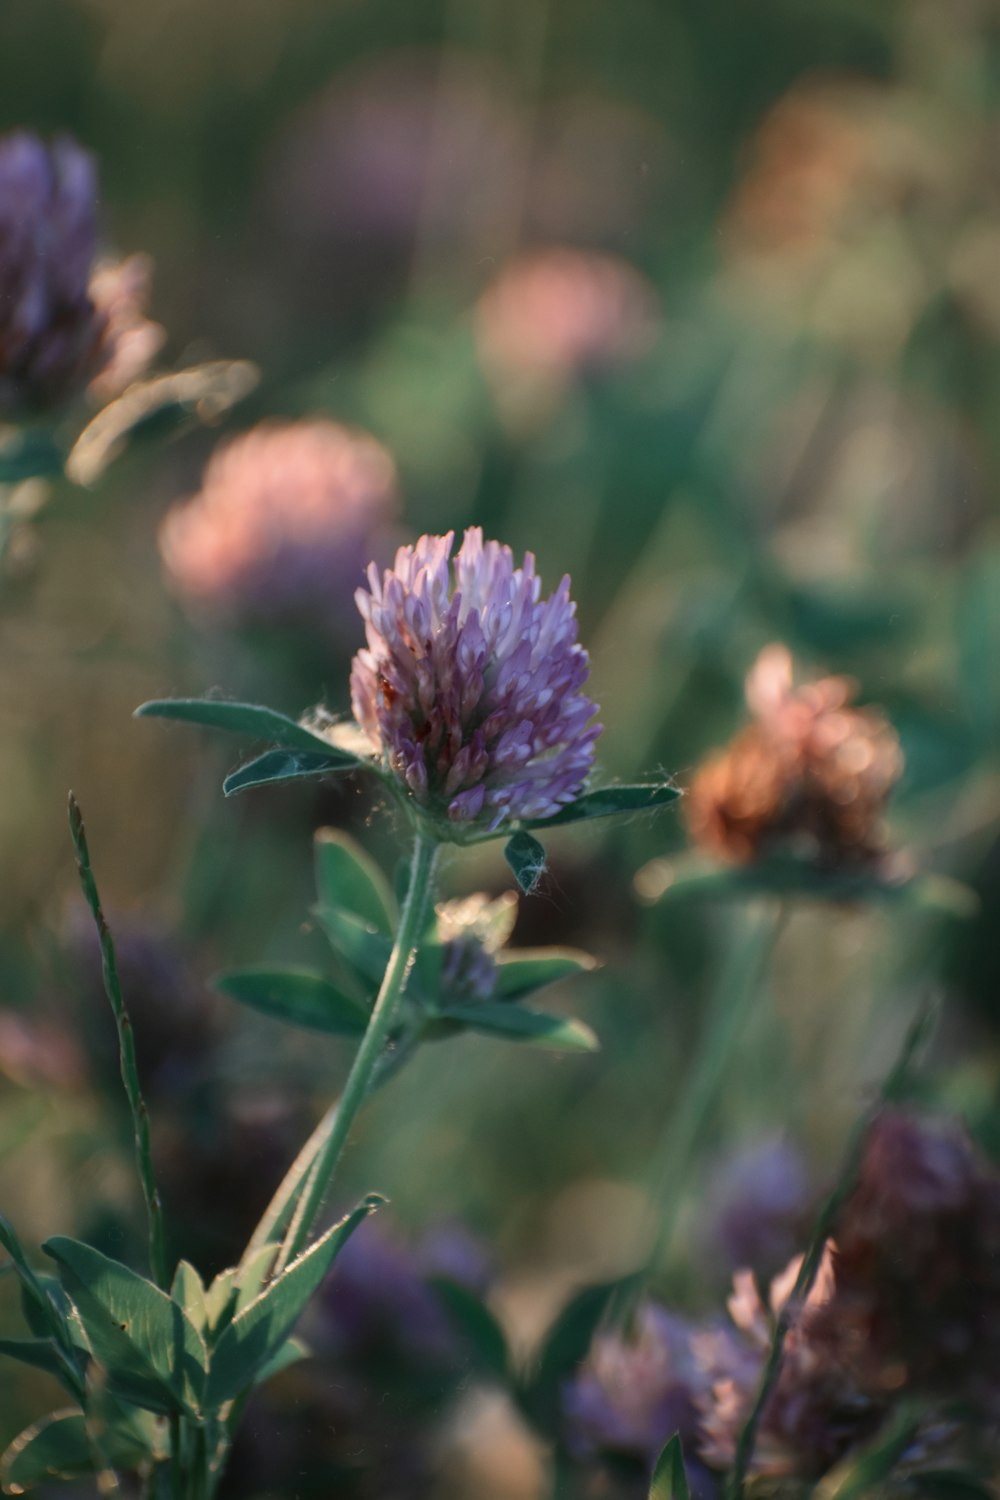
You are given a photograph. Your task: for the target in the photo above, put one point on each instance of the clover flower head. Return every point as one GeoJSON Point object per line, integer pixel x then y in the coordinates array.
{"type": "Point", "coordinates": [471, 688]}
{"type": "Point", "coordinates": [810, 775]}
{"type": "Point", "coordinates": [287, 516]}
{"type": "Point", "coordinates": [635, 1389]}
{"type": "Point", "coordinates": [472, 931]}
{"type": "Point", "coordinates": [64, 322]}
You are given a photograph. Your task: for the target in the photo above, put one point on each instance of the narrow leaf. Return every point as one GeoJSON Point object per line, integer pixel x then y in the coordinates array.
{"type": "Point", "coordinates": [477, 1326]}
{"type": "Point", "coordinates": [348, 880]}
{"type": "Point", "coordinates": [566, 1346]}
{"type": "Point", "coordinates": [526, 858]}
{"type": "Point", "coordinates": [152, 1352]}
{"type": "Point", "coordinates": [292, 1352]}
{"type": "Point", "coordinates": [188, 1290]}
{"type": "Point", "coordinates": [525, 970]}
{"type": "Point", "coordinates": [257, 1333]}
{"type": "Point", "coordinates": [608, 801]}
{"type": "Point", "coordinates": [250, 719]}
{"type": "Point", "coordinates": [59, 1447]}
{"type": "Point", "coordinates": [362, 946]}
{"type": "Point", "coordinates": [297, 996]}
{"type": "Point", "coordinates": [517, 1025]}
{"type": "Point", "coordinates": [41, 1353]}
{"type": "Point", "coordinates": [669, 1481]}
{"type": "Point", "coordinates": [287, 765]}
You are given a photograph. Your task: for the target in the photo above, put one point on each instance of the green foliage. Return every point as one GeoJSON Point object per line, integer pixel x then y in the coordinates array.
{"type": "Point", "coordinates": [62, 1447]}
{"type": "Point", "coordinates": [565, 1347]}
{"type": "Point", "coordinates": [669, 1481]}
{"type": "Point", "coordinates": [31, 453]}
{"type": "Point", "coordinates": [518, 1025]}
{"type": "Point", "coordinates": [478, 1328]}
{"type": "Point", "coordinates": [526, 858]}
{"type": "Point", "coordinates": [248, 719]}
{"type": "Point", "coordinates": [347, 879]}
{"type": "Point", "coordinates": [153, 1354]}
{"type": "Point", "coordinates": [524, 970]}
{"type": "Point", "coordinates": [694, 875]}
{"type": "Point", "coordinates": [297, 996]}
{"type": "Point", "coordinates": [257, 1332]}
{"type": "Point", "coordinates": [287, 765]}
{"type": "Point", "coordinates": [608, 802]}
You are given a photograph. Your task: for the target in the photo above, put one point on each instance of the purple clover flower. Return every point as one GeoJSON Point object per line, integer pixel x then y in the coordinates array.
{"type": "Point", "coordinates": [472, 691]}
{"type": "Point", "coordinates": [64, 322]}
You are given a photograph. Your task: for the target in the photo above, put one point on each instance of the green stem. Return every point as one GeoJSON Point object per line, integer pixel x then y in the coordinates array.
{"type": "Point", "coordinates": [734, 995]}
{"type": "Point", "coordinates": [126, 1048]}
{"type": "Point", "coordinates": [368, 1055]}
{"type": "Point", "coordinates": [830, 1212]}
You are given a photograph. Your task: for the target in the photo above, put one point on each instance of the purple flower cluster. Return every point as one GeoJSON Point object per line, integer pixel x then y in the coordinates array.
{"type": "Point", "coordinates": [472, 693]}
{"type": "Point", "coordinates": [62, 320]}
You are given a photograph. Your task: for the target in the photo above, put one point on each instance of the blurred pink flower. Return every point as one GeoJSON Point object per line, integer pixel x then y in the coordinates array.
{"type": "Point", "coordinates": [287, 517]}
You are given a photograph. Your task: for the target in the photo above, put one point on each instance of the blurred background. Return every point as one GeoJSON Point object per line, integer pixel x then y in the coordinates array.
{"type": "Point", "coordinates": [701, 304]}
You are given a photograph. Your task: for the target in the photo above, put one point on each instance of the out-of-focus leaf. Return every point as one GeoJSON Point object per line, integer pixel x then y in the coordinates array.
{"type": "Point", "coordinates": [669, 1481]}
{"type": "Point", "coordinates": [693, 875]}
{"type": "Point", "coordinates": [477, 1326]}
{"type": "Point", "coordinates": [526, 858]}
{"type": "Point", "coordinates": [257, 1333]}
{"type": "Point", "coordinates": [566, 1347]}
{"type": "Point", "coordinates": [348, 880]}
{"type": "Point", "coordinates": [518, 1025]}
{"type": "Point", "coordinates": [29, 455]}
{"type": "Point", "coordinates": [59, 1448]}
{"type": "Point", "coordinates": [47, 1310]}
{"type": "Point", "coordinates": [608, 801]}
{"type": "Point", "coordinates": [250, 719]}
{"type": "Point", "coordinates": [950, 1484]}
{"type": "Point", "coordinates": [297, 996]}
{"type": "Point", "coordinates": [41, 1353]}
{"type": "Point", "coordinates": [286, 765]}
{"type": "Point", "coordinates": [203, 393]}
{"type": "Point", "coordinates": [359, 943]}
{"type": "Point", "coordinates": [153, 1354]}
{"type": "Point", "coordinates": [525, 970]}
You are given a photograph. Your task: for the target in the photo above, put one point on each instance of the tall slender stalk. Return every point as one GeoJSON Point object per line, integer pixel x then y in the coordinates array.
{"type": "Point", "coordinates": [734, 994]}
{"type": "Point", "coordinates": [366, 1060]}
{"type": "Point", "coordinates": [126, 1050]}
{"type": "Point", "coordinates": [844, 1186]}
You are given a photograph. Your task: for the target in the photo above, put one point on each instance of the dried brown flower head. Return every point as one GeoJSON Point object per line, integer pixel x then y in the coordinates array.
{"type": "Point", "coordinates": [809, 776]}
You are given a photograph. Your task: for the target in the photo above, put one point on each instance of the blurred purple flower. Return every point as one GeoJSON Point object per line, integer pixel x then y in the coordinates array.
{"type": "Point", "coordinates": [63, 325]}
{"type": "Point", "coordinates": [755, 1207]}
{"type": "Point", "coordinates": [473, 693]}
{"type": "Point", "coordinates": [287, 517]}
{"type": "Point", "coordinates": [635, 1390]}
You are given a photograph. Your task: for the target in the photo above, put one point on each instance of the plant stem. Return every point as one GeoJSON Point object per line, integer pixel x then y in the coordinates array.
{"type": "Point", "coordinates": [369, 1053]}
{"type": "Point", "coordinates": [734, 994]}
{"type": "Point", "coordinates": [830, 1212]}
{"type": "Point", "coordinates": [126, 1049]}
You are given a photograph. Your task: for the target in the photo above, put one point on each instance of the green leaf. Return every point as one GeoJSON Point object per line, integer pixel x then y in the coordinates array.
{"type": "Point", "coordinates": [693, 875]}
{"type": "Point", "coordinates": [58, 1447]}
{"type": "Point", "coordinates": [188, 1290]}
{"type": "Point", "coordinates": [518, 1025]}
{"type": "Point", "coordinates": [477, 1326]}
{"type": "Point", "coordinates": [526, 858]}
{"type": "Point", "coordinates": [669, 1481]}
{"type": "Point", "coordinates": [525, 970]}
{"type": "Point", "coordinates": [42, 1354]}
{"type": "Point", "coordinates": [297, 996]}
{"type": "Point", "coordinates": [239, 718]}
{"type": "Point", "coordinates": [257, 1333]}
{"type": "Point", "coordinates": [608, 801]}
{"type": "Point", "coordinates": [287, 765]}
{"type": "Point", "coordinates": [235, 1288]}
{"type": "Point", "coordinates": [362, 946]}
{"type": "Point", "coordinates": [566, 1346]}
{"type": "Point", "coordinates": [47, 1310]}
{"type": "Point", "coordinates": [292, 1352]}
{"type": "Point", "coordinates": [30, 455]}
{"type": "Point", "coordinates": [348, 880]}
{"type": "Point", "coordinates": [153, 1354]}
